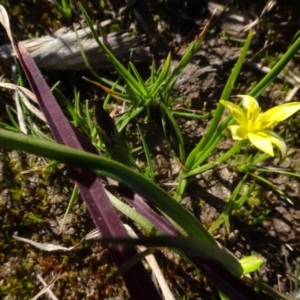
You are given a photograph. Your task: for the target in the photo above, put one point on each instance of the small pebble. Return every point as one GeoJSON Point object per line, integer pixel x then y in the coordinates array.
{"type": "Point", "coordinates": [233, 236]}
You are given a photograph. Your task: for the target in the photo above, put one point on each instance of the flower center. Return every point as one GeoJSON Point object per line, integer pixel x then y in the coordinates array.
{"type": "Point", "coordinates": [253, 123]}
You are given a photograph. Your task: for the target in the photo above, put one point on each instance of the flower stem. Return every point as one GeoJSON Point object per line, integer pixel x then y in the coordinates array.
{"type": "Point", "coordinates": [206, 139]}
{"type": "Point", "coordinates": [236, 148]}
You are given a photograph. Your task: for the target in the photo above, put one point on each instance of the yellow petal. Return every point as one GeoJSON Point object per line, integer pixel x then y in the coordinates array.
{"type": "Point", "coordinates": [250, 105]}
{"type": "Point", "coordinates": [237, 132]}
{"type": "Point", "coordinates": [262, 141]}
{"type": "Point", "coordinates": [278, 113]}
{"type": "Point", "coordinates": [280, 145]}
{"type": "Point", "coordinates": [236, 112]}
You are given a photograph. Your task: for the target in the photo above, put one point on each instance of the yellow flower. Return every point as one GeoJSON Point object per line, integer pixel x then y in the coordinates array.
{"type": "Point", "coordinates": [255, 125]}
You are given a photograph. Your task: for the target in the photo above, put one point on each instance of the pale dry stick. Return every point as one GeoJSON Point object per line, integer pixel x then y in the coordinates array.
{"type": "Point", "coordinates": [32, 108]}
{"type": "Point", "coordinates": [264, 69]}
{"type": "Point", "coordinates": [229, 19]}
{"type": "Point", "coordinates": [61, 51]}
{"type": "Point", "coordinates": [296, 78]}
{"type": "Point", "coordinates": [5, 22]}
{"type": "Point", "coordinates": [12, 86]}
{"type": "Point", "coordinates": [279, 282]}
{"type": "Point", "coordinates": [291, 79]}
{"type": "Point", "coordinates": [20, 115]}
{"type": "Point", "coordinates": [21, 120]}
{"type": "Point", "coordinates": [36, 169]}
{"type": "Point", "coordinates": [150, 259]}
{"type": "Point", "coordinates": [45, 246]}
{"type": "Point", "coordinates": [289, 247]}
{"type": "Point", "coordinates": [46, 289]}
{"type": "Point", "coordinates": [25, 94]}
{"type": "Point", "coordinates": [266, 9]}
{"type": "Point", "coordinates": [264, 287]}
{"type": "Point", "coordinates": [292, 93]}
{"type": "Point", "coordinates": [154, 266]}
{"type": "Point", "coordinates": [93, 235]}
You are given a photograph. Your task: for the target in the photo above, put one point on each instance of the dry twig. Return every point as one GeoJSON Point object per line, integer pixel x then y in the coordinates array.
{"type": "Point", "coordinates": [60, 50]}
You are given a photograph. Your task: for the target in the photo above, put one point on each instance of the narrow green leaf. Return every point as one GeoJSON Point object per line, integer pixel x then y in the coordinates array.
{"type": "Point", "coordinates": [153, 73]}
{"type": "Point", "coordinates": [212, 135]}
{"type": "Point", "coordinates": [130, 212]}
{"type": "Point", "coordinates": [230, 206]}
{"type": "Point", "coordinates": [12, 119]}
{"type": "Point", "coordinates": [110, 168]}
{"type": "Point", "coordinates": [188, 55]}
{"type": "Point", "coordinates": [178, 133]}
{"type": "Point", "coordinates": [147, 154]}
{"type": "Point", "coordinates": [191, 115]}
{"type": "Point", "coordinates": [269, 183]}
{"type": "Point", "coordinates": [143, 87]}
{"type": "Point", "coordinates": [186, 245]}
{"type": "Point", "coordinates": [127, 77]}
{"type": "Point", "coordinates": [89, 120]}
{"type": "Point", "coordinates": [9, 127]}
{"type": "Point", "coordinates": [162, 76]}
{"type": "Point", "coordinates": [71, 203]}
{"type": "Point", "coordinates": [115, 145]}
{"type": "Point", "coordinates": [132, 113]}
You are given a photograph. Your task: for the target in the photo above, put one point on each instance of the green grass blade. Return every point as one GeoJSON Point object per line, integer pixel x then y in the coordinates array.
{"type": "Point", "coordinates": [77, 103]}
{"type": "Point", "coordinates": [127, 77]}
{"type": "Point", "coordinates": [114, 143]}
{"type": "Point", "coordinates": [89, 119]}
{"type": "Point", "coordinates": [230, 206]}
{"type": "Point", "coordinates": [110, 168]}
{"type": "Point", "coordinates": [153, 73]}
{"type": "Point", "coordinates": [191, 115]}
{"type": "Point", "coordinates": [130, 212]}
{"type": "Point", "coordinates": [9, 127]}
{"type": "Point", "coordinates": [269, 183]}
{"type": "Point", "coordinates": [11, 118]}
{"type": "Point", "coordinates": [192, 49]}
{"type": "Point", "coordinates": [186, 245]}
{"type": "Point", "coordinates": [178, 133]}
{"type": "Point", "coordinates": [140, 79]}
{"type": "Point", "coordinates": [36, 131]}
{"type": "Point", "coordinates": [71, 203]}
{"type": "Point", "coordinates": [162, 76]}
{"type": "Point", "coordinates": [147, 154]}
{"type": "Point", "coordinates": [84, 57]}
{"type": "Point", "coordinates": [207, 139]}
{"type": "Point", "coordinates": [278, 171]}
{"type": "Point", "coordinates": [77, 120]}
{"type": "Point", "coordinates": [132, 113]}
